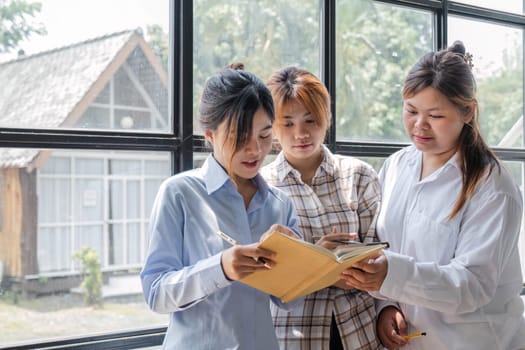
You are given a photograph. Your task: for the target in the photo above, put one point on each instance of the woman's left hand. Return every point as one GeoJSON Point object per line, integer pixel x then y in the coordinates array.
{"type": "Point", "coordinates": [367, 275]}
{"type": "Point", "coordinates": [282, 229]}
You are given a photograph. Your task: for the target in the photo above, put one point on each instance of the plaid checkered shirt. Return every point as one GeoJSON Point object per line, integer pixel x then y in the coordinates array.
{"type": "Point", "coordinates": [344, 194]}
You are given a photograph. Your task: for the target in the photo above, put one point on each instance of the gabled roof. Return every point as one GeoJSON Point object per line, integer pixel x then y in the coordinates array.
{"type": "Point", "coordinates": [33, 85]}
{"type": "Point", "coordinates": [54, 88]}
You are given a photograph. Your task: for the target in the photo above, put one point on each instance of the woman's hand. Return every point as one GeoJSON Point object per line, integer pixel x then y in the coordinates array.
{"type": "Point", "coordinates": [241, 260]}
{"type": "Point", "coordinates": [391, 327]}
{"type": "Point", "coordinates": [334, 239]}
{"type": "Point", "coordinates": [282, 229]}
{"type": "Point", "coordinates": [367, 275]}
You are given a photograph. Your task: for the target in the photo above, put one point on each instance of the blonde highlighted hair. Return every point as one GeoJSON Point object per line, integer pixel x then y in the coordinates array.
{"type": "Point", "coordinates": [291, 84]}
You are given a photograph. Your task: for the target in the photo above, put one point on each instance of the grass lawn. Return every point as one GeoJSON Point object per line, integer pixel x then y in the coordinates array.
{"type": "Point", "coordinates": [66, 315]}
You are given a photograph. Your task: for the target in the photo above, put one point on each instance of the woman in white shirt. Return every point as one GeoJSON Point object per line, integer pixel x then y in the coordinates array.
{"type": "Point", "coordinates": [452, 215]}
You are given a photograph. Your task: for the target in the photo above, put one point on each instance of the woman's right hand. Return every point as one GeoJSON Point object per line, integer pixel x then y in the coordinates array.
{"type": "Point", "coordinates": [334, 239]}
{"type": "Point", "coordinates": [241, 260]}
{"type": "Point", "coordinates": [282, 229]}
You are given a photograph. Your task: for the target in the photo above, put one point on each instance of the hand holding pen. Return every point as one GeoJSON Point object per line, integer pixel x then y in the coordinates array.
{"type": "Point", "coordinates": [391, 325]}
{"type": "Point", "coordinates": [335, 239]}
{"type": "Point", "coordinates": [242, 260]}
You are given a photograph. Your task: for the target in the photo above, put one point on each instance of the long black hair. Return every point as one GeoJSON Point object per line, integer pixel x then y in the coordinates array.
{"type": "Point", "coordinates": [234, 95]}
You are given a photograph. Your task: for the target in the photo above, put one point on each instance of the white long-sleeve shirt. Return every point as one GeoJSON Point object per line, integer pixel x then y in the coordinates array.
{"type": "Point", "coordinates": [458, 280]}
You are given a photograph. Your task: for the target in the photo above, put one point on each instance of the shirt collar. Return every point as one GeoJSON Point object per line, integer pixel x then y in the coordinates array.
{"type": "Point", "coordinates": [284, 168]}
{"type": "Point", "coordinates": [328, 163]}
{"type": "Point", "coordinates": [216, 177]}
{"type": "Point", "coordinates": [417, 156]}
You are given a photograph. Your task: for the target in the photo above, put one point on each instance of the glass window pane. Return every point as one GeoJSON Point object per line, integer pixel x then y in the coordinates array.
{"type": "Point", "coordinates": [372, 61]}
{"type": "Point", "coordinates": [134, 119]}
{"type": "Point", "coordinates": [51, 210]}
{"type": "Point", "coordinates": [128, 94]}
{"type": "Point", "coordinates": [89, 200]}
{"type": "Point", "coordinates": [498, 69]}
{"type": "Point", "coordinates": [133, 249]}
{"type": "Point", "coordinates": [116, 244]}
{"type": "Point", "coordinates": [52, 235]}
{"type": "Point", "coordinates": [82, 60]}
{"type": "Point", "coordinates": [54, 249]}
{"type": "Point", "coordinates": [116, 200]}
{"type": "Point", "coordinates": [88, 166]}
{"type": "Point", "coordinates": [96, 118]}
{"type": "Point", "coordinates": [264, 35]}
{"type": "Point", "coordinates": [514, 6]}
{"type": "Point", "coordinates": [153, 167]}
{"type": "Point", "coordinates": [133, 206]}
{"type": "Point", "coordinates": [56, 165]}
{"type": "Point", "coordinates": [125, 167]}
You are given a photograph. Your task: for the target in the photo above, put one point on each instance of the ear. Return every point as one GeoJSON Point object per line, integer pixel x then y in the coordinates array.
{"type": "Point", "coordinates": [208, 135]}
{"type": "Point", "coordinates": [469, 112]}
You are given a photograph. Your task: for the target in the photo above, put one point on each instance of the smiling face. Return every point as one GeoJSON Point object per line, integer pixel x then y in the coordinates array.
{"type": "Point", "coordinates": [433, 124]}
{"type": "Point", "coordinates": [299, 134]}
{"type": "Point", "coordinates": [248, 158]}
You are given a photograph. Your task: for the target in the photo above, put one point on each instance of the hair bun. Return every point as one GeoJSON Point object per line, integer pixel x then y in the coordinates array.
{"type": "Point", "coordinates": [458, 47]}
{"type": "Point", "coordinates": [237, 66]}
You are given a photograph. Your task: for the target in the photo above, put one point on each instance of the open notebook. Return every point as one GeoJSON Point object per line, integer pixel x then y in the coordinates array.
{"type": "Point", "coordinates": [303, 268]}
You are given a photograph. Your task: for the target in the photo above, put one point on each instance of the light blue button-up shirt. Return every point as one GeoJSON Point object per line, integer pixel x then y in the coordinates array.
{"type": "Point", "coordinates": [182, 274]}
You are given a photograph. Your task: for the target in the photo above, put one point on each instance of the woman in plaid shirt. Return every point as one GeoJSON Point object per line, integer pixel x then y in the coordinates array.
{"type": "Point", "coordinates": [336, 198]}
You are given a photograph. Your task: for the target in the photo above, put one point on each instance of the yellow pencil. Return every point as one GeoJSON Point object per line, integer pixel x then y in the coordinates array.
{"type": "Point", "coordinates": [415, 335]}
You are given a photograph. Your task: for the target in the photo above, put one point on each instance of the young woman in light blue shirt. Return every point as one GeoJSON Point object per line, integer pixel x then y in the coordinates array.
{"type": "Point", "coordinates": [190, 272]}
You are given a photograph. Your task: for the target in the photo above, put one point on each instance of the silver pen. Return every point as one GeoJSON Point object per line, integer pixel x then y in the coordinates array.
{"type": "Point", "coordinates": [230, 240]}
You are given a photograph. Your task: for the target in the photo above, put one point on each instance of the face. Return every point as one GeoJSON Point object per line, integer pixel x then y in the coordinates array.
{"type": "Point", "coordinates": [433, 123]}
{"type": "Point", "coordinates": [248, 158]}
{"type": "Point", "coordinates": [299, 134]}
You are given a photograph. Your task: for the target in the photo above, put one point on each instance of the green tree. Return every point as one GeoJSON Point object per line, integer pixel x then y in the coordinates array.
{"type": "Point", "coordinates": [501, 104]}
{"type": "Point", "coordinates": [376, 44]}
{"type": "Point", "coordinates": [158, 40]}
{"type": "Point", "coordinates": [500, 96]}
{"type": "Point", "coordinates": [372, 61]}
{"type": "Point", "coordinates": [264, 35]}
{"type": "Point", "coordinates": [16, 24]}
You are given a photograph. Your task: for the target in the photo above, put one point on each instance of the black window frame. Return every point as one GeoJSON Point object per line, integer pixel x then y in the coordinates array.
{"type": "Point", "coordinates": [182, 143]}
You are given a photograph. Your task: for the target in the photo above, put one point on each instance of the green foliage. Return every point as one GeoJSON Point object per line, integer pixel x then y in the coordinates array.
{"type": "Point", "coordinates": [376, 44]}
{"type": "Point", "coordinates": [372, 61]}
{"type": "Point", "coordinates": [92, 272]}
{"type": "Point", "coordinates": [501, 104]}
{"type": "Point", "coordinates": [15, 24]}
{"type": "Point", "coordinates": [10, 297]}
{"type": "Point", "coordinates": [264, 35]}
{"type": "Point", "coordinates": [158, 41]}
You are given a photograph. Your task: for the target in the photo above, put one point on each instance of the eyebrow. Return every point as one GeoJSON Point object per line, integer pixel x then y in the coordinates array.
{"type": "Point", "coordinates": [290, 117]}
{"type": "Point", "coordinates": [266, 127]}
{"type": "Point", "coordinates": [428, 110]}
